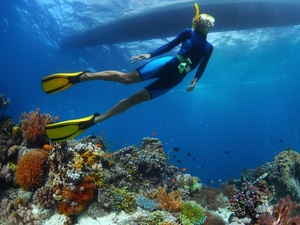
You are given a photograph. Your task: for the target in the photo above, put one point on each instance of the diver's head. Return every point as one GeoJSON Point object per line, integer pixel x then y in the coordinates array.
{"type": "Point", "coordinates": [203, 23]}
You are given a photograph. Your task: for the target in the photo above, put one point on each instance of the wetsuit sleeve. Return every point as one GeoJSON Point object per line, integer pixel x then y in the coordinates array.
{"type": "Point", "coordinates": [203, 63]}
{"type": "Point", "coordinates": [170, 45]}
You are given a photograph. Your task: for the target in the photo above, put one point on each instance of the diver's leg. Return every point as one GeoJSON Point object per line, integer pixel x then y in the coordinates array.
{"type": "Point", "coordinates": [113, 75]}
{"type": "Point", "coordinates": [124, 104]}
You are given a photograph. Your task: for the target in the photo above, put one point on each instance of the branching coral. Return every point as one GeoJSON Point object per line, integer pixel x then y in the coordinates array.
{"type": "Point", "coordinates": [32, 169]}
{"type": "Point", "coordinates": [283, 214]}
{"type": "Point", "coordinates": [117, 199]}
{"type": "Point", "coordinates": [126, 200]}
{"type": "Point", "coordinates": [17, 212]}
{"type": "Point", "coordinates": [250, 198]}
{"type": "Point", "coordinates": [152, 219]}
{"type": "Point", "coordinates": [76, 198]}
{"type": "Point", "coordinates": [169, 201]}
{"type": "Point", "coordinates": [44, 197]}
{"type": "Point", "coordinates": [33, 125]}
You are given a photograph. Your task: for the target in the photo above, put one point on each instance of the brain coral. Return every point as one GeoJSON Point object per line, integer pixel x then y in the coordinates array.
{"type": "Point", "coordinates": [31, 169]}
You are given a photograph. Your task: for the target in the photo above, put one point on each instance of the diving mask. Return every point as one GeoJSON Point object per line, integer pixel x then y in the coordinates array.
{"type": "Point", "coordinates": [206, 19]}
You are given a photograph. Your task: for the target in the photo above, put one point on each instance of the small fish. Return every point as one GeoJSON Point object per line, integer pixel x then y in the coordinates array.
{"type": "Point", "coordinates": [47, 147]}
{"type": "Point", "coordinates": [154, 133]}
{"type": "Point", "coordinates": [98, 145]}
{"type": "Point", "coordinates": [102, 132]}
{"type": "Point", "coordinates": [56, 118]}
{"type": "Point", "coordinates": [280, 141]}
{"type": "Point", "coordinates": [179, 161]}
{"type": "Point", "coordinates": [174, 156]}
{"type": "Point", "coordinates": [189, 154]}
{"type": "Point", "coordinates": [107, 155]}
{"type": "Point", "coordinates": [176, 149]}
{"type": "Point", "coordinates": [226, 152]}
{"type": "Point", "coordinates": [173, 180]}
{"type": "Point", "coordinates": [183, 169]}
{"type": "Point", "coordinates": [219, 180]}
{"type": "Point", "coordinates": [211, 181]}
{"type": "Point", "coordinates": [194, 158]}
{"type": "Point", "coordinates": [202, 167]}
{"type": "Point", "coordinates": [110, 163]}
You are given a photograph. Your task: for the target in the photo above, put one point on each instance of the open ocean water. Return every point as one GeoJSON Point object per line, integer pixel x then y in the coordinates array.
{"type": "Point", "coordinates": [244, 110]}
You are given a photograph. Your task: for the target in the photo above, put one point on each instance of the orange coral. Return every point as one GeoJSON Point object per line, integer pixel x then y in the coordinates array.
{"type": "Point", "coordinates": [31, 169]}
{"type": "Point", "coordinates": [169, 201]}
{"type": "Point", "coordinates": [75, 198]}
{"type": "Point", "coordinates": [33, 124]}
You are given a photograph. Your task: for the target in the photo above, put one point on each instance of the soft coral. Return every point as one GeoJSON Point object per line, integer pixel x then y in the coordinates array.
{"type": "Point", "coordinates": [285, 213]}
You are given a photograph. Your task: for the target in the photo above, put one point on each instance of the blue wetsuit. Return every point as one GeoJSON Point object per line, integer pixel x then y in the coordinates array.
{"type": "Point", "coordinates": [194, 46]}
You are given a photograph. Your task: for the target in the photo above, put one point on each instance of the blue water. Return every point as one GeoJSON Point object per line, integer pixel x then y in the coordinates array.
{"type": "Point", "coordinates": [244, 110]}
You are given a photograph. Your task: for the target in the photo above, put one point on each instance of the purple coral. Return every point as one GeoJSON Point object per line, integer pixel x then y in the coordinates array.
{"type": "Point", "coordinates": [251, 200]}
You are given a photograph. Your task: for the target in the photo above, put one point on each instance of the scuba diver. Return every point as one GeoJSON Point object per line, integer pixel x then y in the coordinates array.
{"type": "Point", "coordinates": [168, 72]}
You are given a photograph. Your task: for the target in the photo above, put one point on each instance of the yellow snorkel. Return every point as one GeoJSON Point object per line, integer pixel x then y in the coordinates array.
{"type": "Point", "coordinates": [197, 13]}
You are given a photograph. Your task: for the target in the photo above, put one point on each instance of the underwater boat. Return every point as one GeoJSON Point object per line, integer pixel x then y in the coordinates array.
{"type": "Point", "coordinates": [167, 21]}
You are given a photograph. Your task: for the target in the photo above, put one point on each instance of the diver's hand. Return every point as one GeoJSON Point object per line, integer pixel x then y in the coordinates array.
{"type": "Point", "coordinates": [133, 59]}
{"type": "Point", "coordinates": [192, 85]}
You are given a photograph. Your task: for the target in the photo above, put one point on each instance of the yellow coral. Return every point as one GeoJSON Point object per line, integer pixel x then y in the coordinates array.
{"type": "Point", "coordinates": [98, 179]}
{"type": "Point", "coordinates": [90, 158]}
{"type": "Point", "coordinates": [169, 201]}
{"type": "Point", "coordinates": [168, 223]}
{"type": "Point", "coordinates": [79, 163]}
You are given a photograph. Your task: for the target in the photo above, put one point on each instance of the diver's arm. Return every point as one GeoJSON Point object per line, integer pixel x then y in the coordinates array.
{"type": "Point", "coordinates": [200, 70]}
{"type": "Point", "coordinates": [192, 84]}
{"type": "Point", "coordinates": [184, 34]}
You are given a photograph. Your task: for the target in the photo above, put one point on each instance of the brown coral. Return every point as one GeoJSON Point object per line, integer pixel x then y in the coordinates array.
{"type": "Point", "coordinates": [75, 198]}
{"type": "Point", "coordinates": [33, 125]}
{"type": "Point", "coordinates": [213, 219]}
{"type": "Point", "coordinates": [169, 201]}
{"type": "Point", "coordinates": [210, 196]}
{"type": "Point", "coordinates": [31, 169]}
{"type": "Point", "coordinates": [45, 197]}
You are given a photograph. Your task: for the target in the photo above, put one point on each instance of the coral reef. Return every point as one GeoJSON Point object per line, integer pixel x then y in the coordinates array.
{"type": "Point", "coordinates": [33, 127]}
{"type": "Point", "coordinates": [32, 169]}
{"type": "Point", "coordinates": [251, 200]}
{"type": "Point", "coordinates": [4, 101]}
{"type": "Point", "coordinates": [117, 199]}
{"type": "Point", "coordinates": [213, 219]}
{"type": "Point", "coordinates": [139, 165]}
{"type": "Point", "coordinates": [209, 196]}
{"type": "Point", "coordinates": [151, 219]}
{"type": "Point", "coordinates": [17, 212]}
{"type": "Point", "coordinates": [5, 144]}
{"type": "Point", "coordinates": [146, 204]}
{"type": "Point", "coordinates": [134, 182]}
{"type": "Point", "coordinates": [75, 198]}
{"type": "Point", "coordinates": [284, 173]}
{"type": "Point", "coordinates": [44, 197]}
{"type": "Point", "coordinates": [192, 213]}
{"type": "Point", "coordinates": [170, 201]}
{"type": "Point", "coordinates": [285, 213]}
